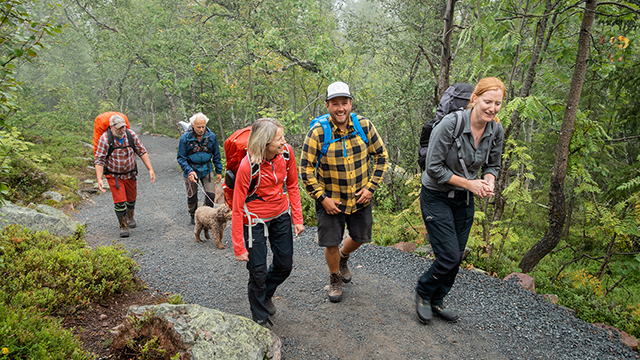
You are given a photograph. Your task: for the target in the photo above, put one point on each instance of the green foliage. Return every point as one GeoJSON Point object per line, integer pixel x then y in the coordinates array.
{"type": "Point", "coordinates": [308, 206]}
{"type": "Point", "coordinates": [58, 274]}
{"type": "Point", "coordinates": [27, 334]}
{"type": "Point", "coordinates": [175, 299]}
{"type": "Point", "coordinates": [21, 35]}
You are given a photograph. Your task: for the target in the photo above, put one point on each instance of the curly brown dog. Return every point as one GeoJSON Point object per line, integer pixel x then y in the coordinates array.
{"type": "Point", "coordinates": [208, 218]}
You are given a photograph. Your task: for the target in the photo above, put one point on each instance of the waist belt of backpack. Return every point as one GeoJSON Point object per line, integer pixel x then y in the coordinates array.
{"type": "Point", "coordinates": [256, 220]}
{"type": "Point", "coordinates": [133, 173]}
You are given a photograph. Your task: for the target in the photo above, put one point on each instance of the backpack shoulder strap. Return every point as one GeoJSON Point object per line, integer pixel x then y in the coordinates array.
{"type": "Point", "coordinates": [130, 138]}
{"type": "Point", "coordinates": [456, 139]}
{"type": "Point", "coordinates": [491, 140]}
{"type": "Point", "coordinates": [110, 142]}
{"type": "Point", "coordinates": [358, 128]}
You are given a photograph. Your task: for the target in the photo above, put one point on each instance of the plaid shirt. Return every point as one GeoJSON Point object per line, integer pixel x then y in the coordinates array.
{"type": "Point", "coordinates": [339, 176]}
{"type": "Point", "coordinates": [122, 159]}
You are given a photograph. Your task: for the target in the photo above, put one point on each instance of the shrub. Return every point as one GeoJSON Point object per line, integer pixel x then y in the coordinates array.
{"type": "Point", "coordinates": [57, 274]}
{"type": "Point", "coordinates": [27, 334]}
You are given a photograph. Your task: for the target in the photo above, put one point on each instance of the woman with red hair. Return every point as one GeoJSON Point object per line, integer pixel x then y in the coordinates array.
{"type": "Point", "coordinates": [455, 157]}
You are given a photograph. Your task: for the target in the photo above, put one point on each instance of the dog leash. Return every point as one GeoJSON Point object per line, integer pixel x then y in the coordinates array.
{"type": "Point", "coordinates": [190, 194]}
{"type": "Point", "coordinates": [205, 193]}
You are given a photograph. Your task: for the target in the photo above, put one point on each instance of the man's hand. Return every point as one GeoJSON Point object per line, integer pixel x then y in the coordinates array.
{"type": "Point", "coordinates": [152, 176]}
{"type": "Point", "coordinates": [218, 178]}
{"type": "Point", "coordinates": [193, 177]}
{"type": "Point", "coordinates": [243, 257]}
{"type": "Point", "coordinates": [298, 228]}
{"type": "Point", "coordinates": [365, 196]}
{"type": "Point", "coordinates": [100, 186]}
{"type": "Point", "coordinates": [331, 206]}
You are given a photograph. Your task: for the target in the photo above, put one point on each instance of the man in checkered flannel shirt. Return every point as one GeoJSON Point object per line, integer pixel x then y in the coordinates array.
{"type": "Point", "coordinates": [121, 170]}
{"type": "Point", "coordinates": [342, 184]}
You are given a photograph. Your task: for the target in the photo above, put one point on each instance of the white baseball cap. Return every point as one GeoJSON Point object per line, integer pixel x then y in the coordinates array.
{"type": "Point", "coordinates": [337, 89]}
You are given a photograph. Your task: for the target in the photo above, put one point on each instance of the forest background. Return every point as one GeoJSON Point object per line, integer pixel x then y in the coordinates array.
{"type": "Point", "coordinates": [567, 204]}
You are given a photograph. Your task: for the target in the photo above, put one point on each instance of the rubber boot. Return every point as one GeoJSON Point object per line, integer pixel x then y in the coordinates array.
{"type": "Point", "coordinates": [131, 222]}
{"type": "Point", "coordinates": [124, 228]}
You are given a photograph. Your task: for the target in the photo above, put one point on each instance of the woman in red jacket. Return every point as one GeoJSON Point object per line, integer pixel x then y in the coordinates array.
{"type": "Point", "coordinates": [263, 212]}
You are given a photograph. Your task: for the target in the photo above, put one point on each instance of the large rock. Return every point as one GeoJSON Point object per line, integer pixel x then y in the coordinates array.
{"type": "Point", "coordinates": [199, 333]}
{"type": "Point", "coordinates": [43, 218]}
{"type": "Point", "coordinates": [526, 281]}
{"type": "Point", "coordinates": [626, 338]}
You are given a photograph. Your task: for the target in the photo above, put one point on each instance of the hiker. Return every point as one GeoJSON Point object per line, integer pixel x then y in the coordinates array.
{"type": "Point", "coordinates": [118, 163]}
{"type": "Point", "coordinates": [262, 212]}
{"type": "Point", "coordinates": [340, 181]}
{"type": "Point", "coordinates": [197, 150]}
{"type": "Point", "coordinates": [448, 185]}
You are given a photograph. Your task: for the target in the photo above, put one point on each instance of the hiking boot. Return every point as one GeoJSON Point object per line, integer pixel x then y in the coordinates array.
{"type": "Point", "coordinates": [265, 323]}
{"type": "Point", "coordinates": [344, 269]}
{"type": "Point", "coordinates": [335, 287]}
{"type": "Point", "coordinates": [423, 309]}
{"type": "Point", "coordinates": [193, 219]}
{"type": "Point", "coordinates": [444, 313]}
{"type": "Point", "coordinates": [130, 221]}
{"type": "Point", "coordinates": [270, 306]}
{"type": "Point", "coordinates": [124, 229]}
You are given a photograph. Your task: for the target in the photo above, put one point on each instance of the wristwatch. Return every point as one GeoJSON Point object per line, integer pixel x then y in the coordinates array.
{"type": "Point", "coordinates": [322, 197]}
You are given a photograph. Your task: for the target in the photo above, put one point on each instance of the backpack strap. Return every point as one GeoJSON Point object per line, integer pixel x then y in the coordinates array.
{"type": "Point", "coordinates": [328, 135]}
{"type": "Point", "coordinates": [110, 141]}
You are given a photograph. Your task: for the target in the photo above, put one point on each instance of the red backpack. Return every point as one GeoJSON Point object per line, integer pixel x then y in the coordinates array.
{"type": "Point", "coordinates": [235, 149]}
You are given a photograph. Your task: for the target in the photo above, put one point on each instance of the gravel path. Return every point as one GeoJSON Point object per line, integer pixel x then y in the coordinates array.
{"type": "Point", "coordinates": [375, 320]}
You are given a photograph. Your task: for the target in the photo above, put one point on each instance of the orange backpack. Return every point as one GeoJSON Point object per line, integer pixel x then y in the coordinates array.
{"type": "Point", "coordinates": [101, 124]}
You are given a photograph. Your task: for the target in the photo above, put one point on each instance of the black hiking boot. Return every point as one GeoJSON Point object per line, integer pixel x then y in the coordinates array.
{"type": "Point", "coordinates": [270, 306]}
{"type": "Point", "coordinates": [423, 309]}
{"type": "Point", "coordinates": [444, 313]}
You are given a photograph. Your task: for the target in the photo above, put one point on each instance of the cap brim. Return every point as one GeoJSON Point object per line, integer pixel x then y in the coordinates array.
{"type": "Point", "coordinates": [339, 95]}
{"type": "Point", "coordinates": [120, 125]}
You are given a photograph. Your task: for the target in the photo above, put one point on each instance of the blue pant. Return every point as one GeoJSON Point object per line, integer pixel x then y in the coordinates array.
{"type": "Point", "coordinates": [262, 282]}
{"type": "Point", "coordinates": [448, 222]}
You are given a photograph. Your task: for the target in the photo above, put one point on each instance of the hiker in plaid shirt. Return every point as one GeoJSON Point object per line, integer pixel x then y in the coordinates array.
{"type": "Point", "coordinates": [120, 169]}
{"type": "Point", "coordinates": [341, 183]}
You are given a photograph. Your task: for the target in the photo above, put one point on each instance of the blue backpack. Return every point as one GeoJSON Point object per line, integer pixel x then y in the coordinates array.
{"type": "Point", "coordinates": [323, 120]}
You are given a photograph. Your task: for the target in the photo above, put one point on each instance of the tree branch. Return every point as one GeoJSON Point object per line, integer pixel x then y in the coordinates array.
{"type": "Point", "coordinates": [623, 139]}
{"type": "Point", "coordinates": [96, 19]}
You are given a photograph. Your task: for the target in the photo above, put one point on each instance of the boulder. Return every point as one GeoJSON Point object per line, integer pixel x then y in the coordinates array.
{"type": "Point", "coordinates": [526, 281]}
{"type": "Point", "coordinates": [405, 246]}
{"type": "Point", "coordinates": [627, 339]}
{"type": "Point", "coordinates": [52, 195]}
{"type": "Point", "coordinates": [199, 333]}
{"type": "Point", "coordinates": [42, 218]}
{"type": "Point", "coordinates": [552, 298]}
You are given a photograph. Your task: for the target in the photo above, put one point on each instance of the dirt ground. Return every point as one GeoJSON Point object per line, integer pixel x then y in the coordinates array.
{"type": "Point", "coordinates": [95, 325]}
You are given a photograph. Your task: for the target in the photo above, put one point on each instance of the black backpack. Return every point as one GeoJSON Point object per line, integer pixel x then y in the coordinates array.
{"type": "Point", "coordinates": [456, 97]}
{"type": "Point", "coordinates": [110, 140]}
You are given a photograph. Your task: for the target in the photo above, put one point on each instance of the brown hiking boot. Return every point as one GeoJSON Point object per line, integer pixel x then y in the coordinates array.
{"type": "Point", "coordinates": [344, 269]}
{"type": "Point", "coordinates": [124, 229]}
{"type": "Point", "coordinates": [335, 287]}
{"type": "Point", "coordinates": [131, 223]}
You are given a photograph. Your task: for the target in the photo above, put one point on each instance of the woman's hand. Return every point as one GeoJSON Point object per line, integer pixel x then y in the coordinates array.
{"type": "Point", "coordinates": [298, 229]}
{"type": "Point", "coordinates": [243, 257]}
{"type": "Point", "coordinates": [481, 188]}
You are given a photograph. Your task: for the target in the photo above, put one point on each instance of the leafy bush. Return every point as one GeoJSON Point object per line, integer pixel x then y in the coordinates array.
{"type": "Point", "coordinates": [57, 274]}
{"type": "Point", "coordinates": [27, 334]}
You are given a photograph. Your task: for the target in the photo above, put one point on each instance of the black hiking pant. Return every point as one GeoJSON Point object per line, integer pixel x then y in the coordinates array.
{"type": "Point", "coordinates": [448, 222]}
{"type": "Point", "coordinates": [263, 282]}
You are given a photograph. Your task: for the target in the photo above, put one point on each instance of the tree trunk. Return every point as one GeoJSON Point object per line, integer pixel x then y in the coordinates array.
{"type": "Point", "coordinates": [445, 60]}
{"type": "Point", "coordinates": [513, 130]}
{"type": "Point", "coordinates": [557, 213]}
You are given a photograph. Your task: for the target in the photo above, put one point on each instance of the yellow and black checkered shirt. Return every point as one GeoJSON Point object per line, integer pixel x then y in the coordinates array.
{"type": "Point", "coordinates": [344, 170]}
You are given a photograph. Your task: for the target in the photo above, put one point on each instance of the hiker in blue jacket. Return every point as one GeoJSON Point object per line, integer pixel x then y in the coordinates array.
{"type": "Point", "coordinates": [197, 151]}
